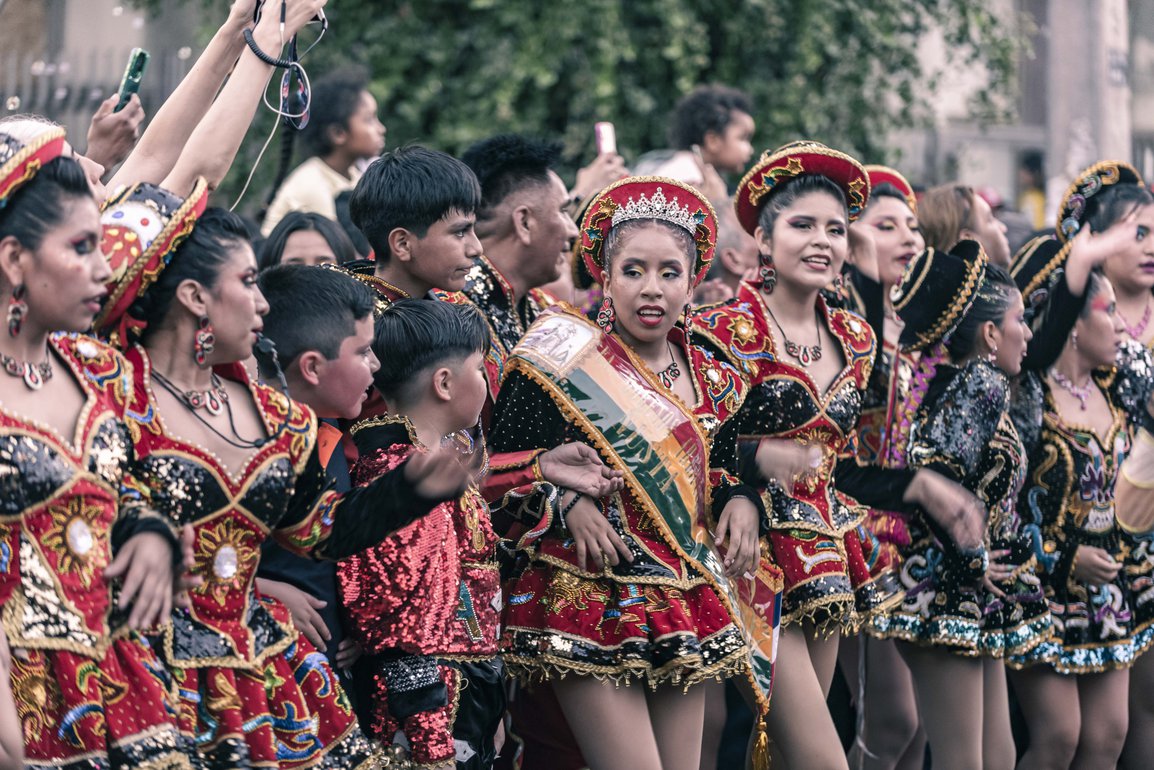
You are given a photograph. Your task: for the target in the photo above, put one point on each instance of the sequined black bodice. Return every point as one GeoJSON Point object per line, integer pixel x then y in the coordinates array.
{"type": "Point", "coordinates": [32, 469]}
{"type": "Point", "coordinates": [187, 490]}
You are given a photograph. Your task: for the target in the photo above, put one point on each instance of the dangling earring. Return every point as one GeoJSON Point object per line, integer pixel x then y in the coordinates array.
{"type": "Point", "coordinates": [768, 273]}
{"type": "Point", "coordinates": [204, 343]}
{"type": "Point", "coordinates": [606, 315]}
{"type": "Point", "coordinates": [839, 283]}
{"type": "Point", "coordinates": [993, 356]}
{"type": "Point", "coordinates": [1074, 339]}
{"type": "Point", "coordinates": [17, 309]}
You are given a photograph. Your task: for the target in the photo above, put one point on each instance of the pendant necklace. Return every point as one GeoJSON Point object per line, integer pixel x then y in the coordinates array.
{"type": "Point", "coordinates": [1137, 330]}
{"type": "Point", "coordinates": [1080, 392]}
{"type": "Point", "coordinates": [669, 374]}
{"type": "Point", "coordinates": [805, 354]}
{"type": "Point", "coordinates": [34, 375]}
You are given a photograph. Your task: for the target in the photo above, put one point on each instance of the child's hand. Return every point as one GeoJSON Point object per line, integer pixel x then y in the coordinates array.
{"type": "Point", "coordinates": [145, 564]}
{"type": "Point", "coordinates": [437, 475]}
{"type": "Point", "coordinates": [739, 524]}
{"type": "Point", "coordinates": [348, 652]}
{"type": "Point", "coordinates": [594, 536]}
{"type": "Point", "coordinates": [1095, 565]}
{"type": "Point", "coordinates": [303, 607]}
{"type": "Point", "coordinates": [578, 467]}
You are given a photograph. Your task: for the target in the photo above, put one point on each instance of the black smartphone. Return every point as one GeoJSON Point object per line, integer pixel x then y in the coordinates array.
{"type": "Point", "coordinates": [130, 83]}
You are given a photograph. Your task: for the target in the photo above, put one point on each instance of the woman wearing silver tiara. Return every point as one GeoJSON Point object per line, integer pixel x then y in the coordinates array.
{"type": "Point", "coordinates": [627, 602]}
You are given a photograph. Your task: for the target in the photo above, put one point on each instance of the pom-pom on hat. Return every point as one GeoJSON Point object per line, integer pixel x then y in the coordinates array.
{"type": "Point", "coordinates": [142, 227]}
{"type": "Point", "coordinates": [648, 198]}
{"type": "Point", "coordinates": [936, 291]}
{"type": "Point", "coordinates": [1074, 210]}
{"type": "Point", "coordinates": [774, 169]}
{"type": "Point", "coordinates": [21, 161]}
{"type": "Point", "coordinates": [879, 175]}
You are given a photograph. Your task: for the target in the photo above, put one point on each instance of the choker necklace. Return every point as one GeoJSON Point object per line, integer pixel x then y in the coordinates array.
{"type": "Point", "coordinates": [236, 439]}
{"type": "Point", "coordinates": [34, 375]}
{"type": "Point", "coordinates": [805, 354]}
{"type": "Point", "coordinates": [1137, 330]}
{"type": "Point", "coordinates": [212, 400]}
{"type": "Point", "coordinates": [669, 374]}
{"type": "Point", "coordinates": [1080, 392]}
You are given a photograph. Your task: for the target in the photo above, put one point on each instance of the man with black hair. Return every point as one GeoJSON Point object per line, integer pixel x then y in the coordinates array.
{"type": "Point", "coordinates": [343, 131]}
{"type": "Point", "coordinates": [321, 321]}
{"type": "Point", "coordinates": [524, 229]}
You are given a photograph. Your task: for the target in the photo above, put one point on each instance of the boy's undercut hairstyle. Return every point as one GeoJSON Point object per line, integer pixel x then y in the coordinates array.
{"type": "Point", "coordinates": [412, 188]}
{"type": "Point", "coordinates": [335, 98]}
{"type": "Point", "coordinates": [413, 335]}
{"type": "Point", "coordinates": [507, 163]}
{"type": "Point", "coordinates": [311, 308]}
{"type": "Point", "coordinates": [705, 109]}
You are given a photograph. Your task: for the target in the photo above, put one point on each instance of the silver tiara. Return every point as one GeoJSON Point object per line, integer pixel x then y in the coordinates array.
{"type": "Point", "coordinates": [659, 207]}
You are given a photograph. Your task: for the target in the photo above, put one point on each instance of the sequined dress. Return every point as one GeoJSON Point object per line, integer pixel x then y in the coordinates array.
{"type": "Point", "coordinates": [963, 431]}
{"type": "Point", "coordinates": [254, 692]}
{"type": "Point", "coordinates": [1068, 501]}
{"type": "Point", "coordinates": [1136, 370]}
{"type": "Point", "coordinates": [817, 535]}
{"type": "Point", "coordinates": [89, 692]}
{"type": "Point", "coordinates": [424, 605]}
{"type": "Point", "coordinates": [659, 618]}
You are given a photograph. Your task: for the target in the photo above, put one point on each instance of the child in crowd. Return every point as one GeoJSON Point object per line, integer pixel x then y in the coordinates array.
{"type": "Point", "coordinates": [305, 238]}
{"type": "Point", "coordinates": [342, 132]}
{"type": "Point", "coordinates": [322, 325]}
{"type": "Point", "coordinates": [424, 603]}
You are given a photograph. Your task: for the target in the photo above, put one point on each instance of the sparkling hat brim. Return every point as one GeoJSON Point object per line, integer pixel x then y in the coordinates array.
{"type": "Point", "coordinates": [775, 169]}
{"type": "Point", "coordinates": [879, 175]}
{"type": "Point", "coordinates": [1093, 180]}
{"type": "Point", "coordinates": [598, 220]}
{"type": "Point", "coordinates": [134, 276]}
{"type": "Point", "coordinates": [25, 159]}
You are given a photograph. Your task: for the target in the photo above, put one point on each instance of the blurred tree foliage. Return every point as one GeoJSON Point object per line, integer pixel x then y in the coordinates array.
{"type": "Point", "coordinates": [449, 72]}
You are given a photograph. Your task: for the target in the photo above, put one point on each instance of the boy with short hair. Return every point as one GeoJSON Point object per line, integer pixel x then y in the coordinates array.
{"type": "Point", "coordinates": [424, 604]}
{"type": "Point", "coordinates": [416, 207]}
{"type": "Point", "coordinates": [322, 325]}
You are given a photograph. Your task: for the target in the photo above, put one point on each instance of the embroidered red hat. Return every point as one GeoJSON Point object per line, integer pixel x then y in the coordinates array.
{"type": "Point", "coordinates": [142, 227]}
{"type": "Point", "coordinates": [1078, 202]}
{"type": "Point", "coordinates": [648, 197]}
{"type": "Point", "coordinates": [21, 161]}
{"type": "Point", "coordinates": [879, 175]}
{"type": "Point", "coordinates": [775, 169]}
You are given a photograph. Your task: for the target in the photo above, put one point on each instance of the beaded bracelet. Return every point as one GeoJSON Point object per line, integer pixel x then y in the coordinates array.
{"type": "Point", "coordinates": [563, 512]}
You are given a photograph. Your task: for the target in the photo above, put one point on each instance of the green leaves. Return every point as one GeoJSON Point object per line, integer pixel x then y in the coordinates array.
{"type": "Point", "coordinates": [450, 72]}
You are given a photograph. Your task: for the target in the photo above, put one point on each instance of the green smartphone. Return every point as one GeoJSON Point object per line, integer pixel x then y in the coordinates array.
{"type": "Point", "coordinates": [130, 83]}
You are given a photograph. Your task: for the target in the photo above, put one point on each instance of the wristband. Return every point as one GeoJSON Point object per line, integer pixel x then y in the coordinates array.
{"type": "Point", "coordinates": [264, 57]}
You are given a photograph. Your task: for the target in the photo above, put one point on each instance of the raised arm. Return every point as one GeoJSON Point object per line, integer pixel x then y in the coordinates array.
{"type": "Point", "coordinates": [213, 145]}
{"type": "Point", "coordinates": [158, 149]}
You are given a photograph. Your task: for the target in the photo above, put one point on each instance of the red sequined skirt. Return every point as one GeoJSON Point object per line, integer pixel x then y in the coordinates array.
{"type": "Point", "coordinates": [837, 573]}
{"type": "Point", "coordinates": [291, 713]}
{"type": "Point", "coordinates": [77, 712]}
{"type": "Point", "coordinates": [560, 621]}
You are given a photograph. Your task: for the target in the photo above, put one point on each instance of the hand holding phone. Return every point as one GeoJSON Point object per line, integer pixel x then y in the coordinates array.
{"type": "Point", "coordinates": [133, 72]}
{"type": "Point", "coordinates": [605, 136]}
